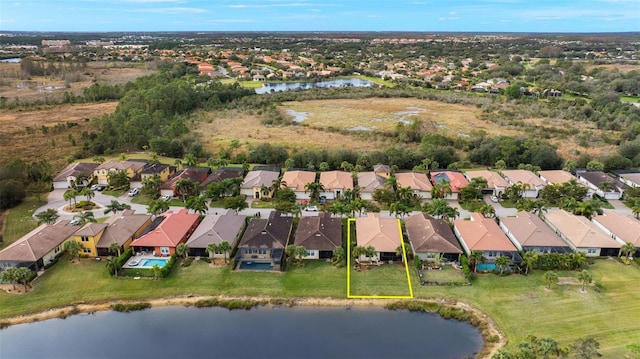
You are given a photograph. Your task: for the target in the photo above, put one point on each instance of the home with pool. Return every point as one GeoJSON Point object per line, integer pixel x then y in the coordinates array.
{"type": "Point", "coordinates": [162, 238]}
{"type": "Point", "coordinates": [121, 228]}
{"type": "Point", "coordinates": [432, 238]}
{"type": "Point", "coordinates": [263, 243]}
{"type": "Point", "coordinates": [320, 235]}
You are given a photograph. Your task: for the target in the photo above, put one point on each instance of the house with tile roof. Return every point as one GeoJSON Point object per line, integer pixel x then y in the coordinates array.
{"type": "Point", "coordinates": [418, 183]}
{"type": "Point", "coordinates": [257, 183]}
{"type": "Point", "coordinates": [594, 180]}
{"type": "Point", "coordinates": [631, 179]}
{"type": "Point", "coordinates": [215, 229]}
{"type": "Point", "coordinates": [265, 240]}
{"type": "Point", "coordinates": [556, 177]}
{"type": "Point", "coordinates": [495, 183]}
{"type": "Point", "coordinates": [194, 174]}
{"type": "Point", "coordinates": [120, 228]}
{"type": "Point", "coordinates": [297, 180]}
{"type": "Point", "coordinates": [456, 181]}
{"type": "Point", "coordinates": [163, 171]}
{"type": "Point", "coordinates": [484, 235]}
{"type": "Point", "coordinates": [383, 234]}
{"type": "Point", "coordinates": [335, 183]}
{"type": "Point", "coordinates": [369, 182]}
{"type": "Point", "coordinates": [66, 178]}
{"type": "Point", "coordinates": [533, 184]}
{"type": "Point", "coordinates": [624, 229]}
{"type": "Point", "coordinates": [430, 237]}
{"type": "Point", "coordinates": [130, 167]}
{"type": "Point", "coordinates": [582, 235]}
{"type": "Point", "coordinates": [528, 232]}
{"type": "Point", "coordinates": [221, 174]}
{"type": "Point", "coordinates": [320, 235]}
{"type": "Point", "coordinates": [175, 228]}
{"type": "Point", "coordinates": [37, 248]}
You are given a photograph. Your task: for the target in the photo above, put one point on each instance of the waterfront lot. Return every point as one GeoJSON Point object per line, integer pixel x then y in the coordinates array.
{"type": "Point", "coordinates": [520, 305]}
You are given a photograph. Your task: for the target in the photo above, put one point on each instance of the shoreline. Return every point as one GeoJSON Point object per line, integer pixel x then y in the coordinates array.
{"type": "Point", "coordinates": [489, 347]}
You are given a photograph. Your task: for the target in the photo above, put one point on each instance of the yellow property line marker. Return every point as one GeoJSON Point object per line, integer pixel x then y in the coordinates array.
{"type": "Point", "coordinates": [406, 268]}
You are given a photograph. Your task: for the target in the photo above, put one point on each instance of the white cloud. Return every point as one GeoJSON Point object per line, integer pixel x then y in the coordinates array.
{"type": "Point", "coordinates": [280, 4]}
{"type": "Point", "coordinates": [174, 10]}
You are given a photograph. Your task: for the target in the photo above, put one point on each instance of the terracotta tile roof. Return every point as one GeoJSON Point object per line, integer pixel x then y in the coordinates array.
{"type": "Point", "coordinates": [195, 174]}
{"type": "Point", "coordinates": [369, 181]}
{"type": "Point", "coordinates": [493, 178]}
{"type": "Point", "coordinates": [414, 180]}
{"type": "Point", "coordinates": [381, 233]}
{"type": "Point", "coordinates": [297, 180]}
{"type": "Point", "coordinates": [456, 179]}
{"type": "Point", "coordinates": [320, 232]}
{"type": "Point", "coordinates": [336, 180]}
{"type": "Point", "coordinates": [524, 176]}
{"type": "Point", "coordinates": [430, 235]}
{"type": "Point", "coordinates": [483, 234]}
{"type": "Point", "coordinates": [170, 232]}
{"type": "Point", "coordinates": [626, 228]}
{"type": "Point", "coordinates": [557, 176]}
{"type": "Point", "coordinates": [580, 231]}
{"type": "Point", "coordinates": [531, 231]}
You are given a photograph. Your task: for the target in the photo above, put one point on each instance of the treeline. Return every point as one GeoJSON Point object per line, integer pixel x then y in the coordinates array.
{"type": "Point", "coordinates": [19, 179]}
{"type": "Point", "coordinates": [153, 111]}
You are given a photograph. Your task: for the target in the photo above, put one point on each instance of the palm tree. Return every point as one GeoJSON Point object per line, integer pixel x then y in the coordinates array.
{"type": "Point", "coordinates": [569, 204]}
{"type": "Point", "coordinates": [156, 271]}
{"type": "Point", "coordinates": [585, 277]}
{"type": "Point", "coordinates": [529, 258]}
{"type": "Point", "coordinates": [157, 207]}
{"type": "Point", "coordinates": [49, 216]}
{"type": "Point", "coordinates": [502, 262]}
{"type": "Point", "coordinates": [184, 187]}
{"type": "Point", "coordinates": [628, 249]}
{"type": "Point", "coordinates": [539, 208]}
{"type": "Point", "coordinates": [115, 207]}
{"type": "Point", "coordinates": [338, 257]}
{"type": "Point", "coordinates": [84, 218]}
{"type": "Point", "coordinates": [70, 195]}
{"type": "Point", "coordinates": [314, 189]}
{"type": "Point", "coordinates": [182, 250]}
{"type": "Point", "coordinates": [606, 186]}
{"type": "Point", "coordinates": [73, 248]}
{"type": "Point", "coordinates": [212, 248]}
{"type": "Point", "coordinates": [190, 159]}
{"type": "Point", "coordinates": [588, 209]}
{"type": "Point", "coordinates": [635, 208]}
{"type": "Point", "coordinates": [338, 208]}
{"type": "Point", "coordinates": [398, 209]}
{"type": "Point", "coordinates": [112, 265]}
{"type": "Point", "coordinates": [198, 204]}
{"type": "Point", "coordinates": [237, 203]}
{"type": "Point", "coordinates": [225, 248]}
{"type": "Point", "coordinates": [441, 189]}
{"type": "Point", "coordinates": [549, 277]}
{"type": "Point", "coordinates": [525, 204]}
{"type": "Point", "coordinates": [475, 257]}
{"type": "Point", "coordinates": [114, 248]}
{"type": "Point", "coordinates": [88, 193]}
{"type": "Point", "coordinates": [487, 211]}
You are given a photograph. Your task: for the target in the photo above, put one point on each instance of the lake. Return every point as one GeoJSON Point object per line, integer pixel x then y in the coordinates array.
{"type": "Point", "coordinates": [290, 86]}
{"type": "Point", "coordinates": [15, 59]}
{"type": "Point", "coordinates": [299, 332]}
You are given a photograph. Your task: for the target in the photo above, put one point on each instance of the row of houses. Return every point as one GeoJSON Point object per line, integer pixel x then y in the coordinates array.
{"type": "Point", "coordinates": [258, 182]}
{"type": "Point", "coordinates": [262, 241]}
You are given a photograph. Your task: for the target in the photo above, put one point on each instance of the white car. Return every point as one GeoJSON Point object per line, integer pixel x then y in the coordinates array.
{"type": "Point", "coordinates": [494, 199]}
{"type": "Point", "coordinates": [165, 198]}
{"type": "Point", "coordinates": [311, 209]}
{"type": "Point", "coordinates": [133, 192]}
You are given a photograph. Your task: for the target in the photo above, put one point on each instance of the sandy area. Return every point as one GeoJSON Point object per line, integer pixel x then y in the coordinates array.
{"type": "Point", "coordinates": [489, 348]}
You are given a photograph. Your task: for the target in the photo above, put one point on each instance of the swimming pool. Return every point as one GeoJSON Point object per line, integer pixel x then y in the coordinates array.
{"type": "Point", "coordinates": [254, 265]}
{"type": "Point", "coordinates": [149, 263]}
{"type": "Point", "coordinates": [482, 267]}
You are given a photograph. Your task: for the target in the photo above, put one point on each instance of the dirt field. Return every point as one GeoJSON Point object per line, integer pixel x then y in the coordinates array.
{"type": "Point", "coordinates": [31, 145]}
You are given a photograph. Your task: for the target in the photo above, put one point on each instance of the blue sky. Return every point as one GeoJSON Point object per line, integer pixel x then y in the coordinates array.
{"type": "Point", "coordinates": [321, 15]}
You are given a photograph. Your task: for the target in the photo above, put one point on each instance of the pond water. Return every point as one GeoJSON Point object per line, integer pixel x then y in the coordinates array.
{"type": "Point", "coordinates": [299, 332]}
{"type": "Point", "coordinates": [13, 59]}
{"type": "Point", "coordinates": [269, 87]}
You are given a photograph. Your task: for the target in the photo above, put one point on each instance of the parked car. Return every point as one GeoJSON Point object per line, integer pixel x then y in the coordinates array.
{"type": "Point", "coordinates": [494, 199]}
{"type": "Point", "coordinates": [101, 188]}
{"type": "Point", "coordinates": [165, 198]}
{"type": "Point", "coordinates": [94, 187]}
{"type": "Point", "coordinates": [311, 209]}
{"type": "Point", "coordinates": [133, 192]}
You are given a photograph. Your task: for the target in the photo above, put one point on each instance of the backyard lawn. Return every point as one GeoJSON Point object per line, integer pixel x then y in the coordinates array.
{"type": "Point", "coordinates": [520, 305]}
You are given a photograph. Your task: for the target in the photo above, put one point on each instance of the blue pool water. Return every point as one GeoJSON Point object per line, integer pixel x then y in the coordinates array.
{"type": "Point", "coordinates": [255, 265]}
{"type": "Point", "coordinates": [485, 267]}
{"type": "Point", "coordinates": [149, 263]}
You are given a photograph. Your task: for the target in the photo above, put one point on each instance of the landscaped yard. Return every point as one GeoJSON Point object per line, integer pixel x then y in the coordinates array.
{"type": "Point", "coordinates": [520, 305]}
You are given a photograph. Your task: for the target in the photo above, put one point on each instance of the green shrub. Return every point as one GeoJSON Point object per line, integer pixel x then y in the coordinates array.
{"type": "Point", "coordinates": [166, 270]}
{"type": "Point", "coordinates": [187, 262]}
{"type": "Point", "coordinates": [124, 257]}
{"type": "Point", "coordinates": [205, 259]}
{"type": "Point", "coordinates": [128, 307]}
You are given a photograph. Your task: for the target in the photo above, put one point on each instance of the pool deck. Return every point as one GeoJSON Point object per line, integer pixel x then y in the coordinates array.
{"type": "Point", "coordinates": [139, 259]}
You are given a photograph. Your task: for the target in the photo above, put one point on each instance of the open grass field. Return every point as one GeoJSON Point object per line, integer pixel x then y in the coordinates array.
{"type": "Point", "coordinates": [21, 220]}
{"type": "Point", "coordinates": [22, 136]}
{"type": "Point", "coordinates": [520, 305]}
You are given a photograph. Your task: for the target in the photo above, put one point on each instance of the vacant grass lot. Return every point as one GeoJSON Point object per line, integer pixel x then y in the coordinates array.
{"type": "Point", "coordinates": [520, 305]}
{"type": "Point", "coordinates": [384, 280]}
{"type": "Point", "coordinates": [21, 220]}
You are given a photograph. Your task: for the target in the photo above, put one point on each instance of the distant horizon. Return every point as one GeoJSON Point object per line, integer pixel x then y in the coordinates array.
{"type": "Point", "coordinates": [407, 16]}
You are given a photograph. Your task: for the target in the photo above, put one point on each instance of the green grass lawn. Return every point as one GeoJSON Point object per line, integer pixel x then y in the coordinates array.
{"type": "Point", "coordinates": [520, 305]}
{"type": "Point", "coordinates": [20, 220]}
